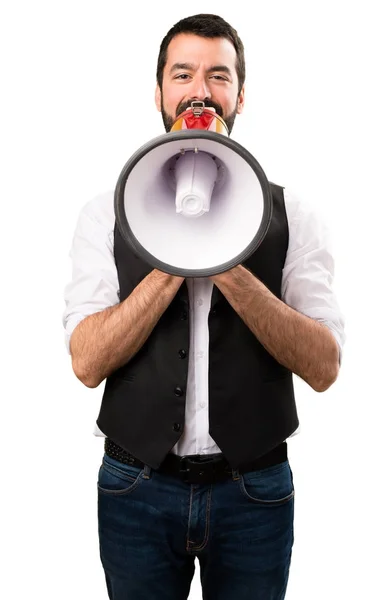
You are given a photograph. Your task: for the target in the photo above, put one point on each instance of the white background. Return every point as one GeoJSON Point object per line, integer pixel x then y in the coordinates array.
{"type": "Point", "coordinates": [77, 100]}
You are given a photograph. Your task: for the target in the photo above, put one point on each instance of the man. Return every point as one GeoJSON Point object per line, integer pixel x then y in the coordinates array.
{"type": "Point", "coordinates": [201, 370]}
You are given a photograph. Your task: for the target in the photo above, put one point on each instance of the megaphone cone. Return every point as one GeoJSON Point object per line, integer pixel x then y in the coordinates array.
{"type": "Point", "coordinates": [193, 203]}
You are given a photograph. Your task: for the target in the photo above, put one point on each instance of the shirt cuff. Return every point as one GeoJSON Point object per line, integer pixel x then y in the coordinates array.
{"type": "Point", "coordinates": [70, 327]}
{"type": "Point", "coordinates": [336, 336]}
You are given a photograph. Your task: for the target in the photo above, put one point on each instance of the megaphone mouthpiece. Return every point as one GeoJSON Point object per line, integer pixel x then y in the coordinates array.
{"type": "Point", "coordinates": [195, 175]}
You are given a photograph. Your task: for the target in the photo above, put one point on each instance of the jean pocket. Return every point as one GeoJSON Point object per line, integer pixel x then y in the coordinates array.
{"type": "Point", "coordinates": [116, 478]}
{"type": "Point", "coordinates": [272, 486]}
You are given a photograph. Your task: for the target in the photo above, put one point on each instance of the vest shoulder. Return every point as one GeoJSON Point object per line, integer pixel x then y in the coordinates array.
{"type": "Point", "coordinates": [275, 187]}
{"type": "Point", "coordinates": [293, 205]}
{"type": "Point", "coordinates": [277, 192]}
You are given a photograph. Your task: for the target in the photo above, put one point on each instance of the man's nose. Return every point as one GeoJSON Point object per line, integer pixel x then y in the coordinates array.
{"type": "Point", "coordinates": [200, 89]}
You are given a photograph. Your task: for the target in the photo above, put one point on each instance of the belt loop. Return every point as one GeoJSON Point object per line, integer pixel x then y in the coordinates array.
{"type": "Point", "coordinates": [146, 472]}
{"type": "Point", "coordinates": [235, 475]}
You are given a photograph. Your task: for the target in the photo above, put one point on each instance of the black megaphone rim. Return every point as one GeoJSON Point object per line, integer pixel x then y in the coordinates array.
{"type": "Point", "coordinates": [184, 135]}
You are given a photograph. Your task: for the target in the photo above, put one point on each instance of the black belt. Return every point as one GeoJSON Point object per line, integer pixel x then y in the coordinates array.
{"type": "Point", "coordinates": [199, 468]}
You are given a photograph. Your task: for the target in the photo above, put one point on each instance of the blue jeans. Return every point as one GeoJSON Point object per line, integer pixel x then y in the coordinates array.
{"type": "Point", "coordinates": [152, 526]}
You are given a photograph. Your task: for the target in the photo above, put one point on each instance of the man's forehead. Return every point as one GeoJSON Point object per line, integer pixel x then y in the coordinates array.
{"type": "Point", "coordinates": [194, 50]}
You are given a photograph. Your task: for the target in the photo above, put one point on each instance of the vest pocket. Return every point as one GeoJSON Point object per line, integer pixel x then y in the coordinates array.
{"type": "Point", "coordinates": [272, 486]}
{"type": "Point", "coordinates": [118, 480]}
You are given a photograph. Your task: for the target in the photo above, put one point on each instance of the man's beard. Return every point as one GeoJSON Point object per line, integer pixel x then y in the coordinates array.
{"type": "Point", "coordinates": [168, 120]}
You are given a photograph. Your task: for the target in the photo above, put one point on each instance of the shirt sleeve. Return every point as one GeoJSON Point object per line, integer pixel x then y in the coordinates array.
{"type": "Point", "coordinates": [307, 280]}
{"type": "Point", "coordinates": [94, 283]}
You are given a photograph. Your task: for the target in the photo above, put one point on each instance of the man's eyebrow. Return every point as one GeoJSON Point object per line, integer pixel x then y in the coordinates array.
{"type": "Point", "coordinates": [183, 67]}
{"type": "Point", "coordinates": [220, 69]}
{"type": "Point", "coordinates": [192, 67]}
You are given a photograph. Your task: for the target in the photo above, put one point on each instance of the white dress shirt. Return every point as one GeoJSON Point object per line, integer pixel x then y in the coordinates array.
{"type": "Point", "coordinates": [306, 287]}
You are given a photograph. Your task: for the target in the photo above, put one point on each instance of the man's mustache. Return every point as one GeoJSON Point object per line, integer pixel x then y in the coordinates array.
{"type": "Point", "coordinates": [207, 103]}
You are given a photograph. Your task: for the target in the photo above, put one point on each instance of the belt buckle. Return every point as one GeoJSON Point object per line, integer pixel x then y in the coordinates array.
{"type": "Point", "coordinates": [188, 471]}
{"type": "Point", "coordinates": [192, 469]}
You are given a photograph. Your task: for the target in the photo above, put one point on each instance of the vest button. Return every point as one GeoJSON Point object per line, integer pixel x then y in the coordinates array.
{"type": "Point", "coordinates": [178, 391]}
{"type": "Point", "coordinates": [213, 311]}
{"type": "Point", "coordinates": [176, 426]}
{"type": "Point", "coordinates": [182, 353]}
{"type": "Point", "coordinates": [184, 316]}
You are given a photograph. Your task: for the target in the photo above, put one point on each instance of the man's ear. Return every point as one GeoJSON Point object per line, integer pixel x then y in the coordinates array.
{"type": "Point", "coordinates": [241, 100]}
{"type": "Point", "coordinates": [158, 96]}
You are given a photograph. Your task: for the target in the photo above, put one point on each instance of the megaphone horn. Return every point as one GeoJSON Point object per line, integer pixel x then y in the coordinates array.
{"type": "Point", "coordinates": [193, 202]}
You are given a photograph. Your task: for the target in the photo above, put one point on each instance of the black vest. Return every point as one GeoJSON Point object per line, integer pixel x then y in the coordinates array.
{"type": "Point", "coordinates": [251, 399]}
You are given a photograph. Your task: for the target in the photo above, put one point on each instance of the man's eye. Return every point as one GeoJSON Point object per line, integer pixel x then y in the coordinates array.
{"type": "Point", "coordinates": [182, 76]}
{"type": "Point", "coordinates": [219, 77]}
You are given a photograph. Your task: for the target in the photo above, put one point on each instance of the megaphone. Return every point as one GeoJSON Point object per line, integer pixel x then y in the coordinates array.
{"type": "Point", "coordinates": [193, 202]}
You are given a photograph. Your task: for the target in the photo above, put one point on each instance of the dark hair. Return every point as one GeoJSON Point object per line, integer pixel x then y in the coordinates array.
{"type": "Point", "coordinates": [208, 26]}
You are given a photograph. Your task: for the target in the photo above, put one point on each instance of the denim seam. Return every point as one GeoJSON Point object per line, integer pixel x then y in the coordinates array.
{"type": "Point", "coordinates": [127, 490]}
{"type": "Point", "coordinates": [188, 542]}
{"type": "Point", "coordinates": [117, 471]}
{"type": "Point", "coordinates": [207, 521]}
{"type": "Point", "coordinates": [264, 502]}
